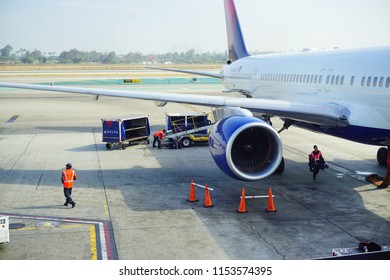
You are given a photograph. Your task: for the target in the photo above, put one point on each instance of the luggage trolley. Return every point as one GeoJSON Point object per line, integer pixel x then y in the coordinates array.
{"type": "Point", "coordinates": [133, 129]}
{"type": "Point", "coordinates": [4, 229]}
{"type": "Point", "coordinates": [187, 129]}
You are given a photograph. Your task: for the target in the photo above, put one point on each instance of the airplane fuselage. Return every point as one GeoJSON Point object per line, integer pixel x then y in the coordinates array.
{"type": "Point", "coordinates": [358, 79]}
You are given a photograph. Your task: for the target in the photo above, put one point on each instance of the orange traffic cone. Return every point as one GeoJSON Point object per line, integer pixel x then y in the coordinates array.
{"type": "Point", "coordinates": [192, 196]}
{"type": "Point", "coordinates": [242, 206]}
{"type": "Point", "coordinates": [271, 206]}
{"type": "Point", "coordinates": [207, 198]}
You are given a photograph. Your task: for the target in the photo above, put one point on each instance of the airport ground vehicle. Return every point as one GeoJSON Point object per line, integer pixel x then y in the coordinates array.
{"type": "Point", "coordinates": [133, 129]}
{"type": "Point", "coordinates": [187, 129]}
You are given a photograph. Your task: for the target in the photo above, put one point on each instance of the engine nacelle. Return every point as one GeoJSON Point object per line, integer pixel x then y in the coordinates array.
{"type": "Point", "coordinates": [245, 148]}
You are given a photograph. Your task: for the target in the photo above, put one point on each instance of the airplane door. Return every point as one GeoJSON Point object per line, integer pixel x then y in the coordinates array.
{"type": "Point", "coordinates": [327, 79]}
{"type": "Point", "coordinates": [320, 80]}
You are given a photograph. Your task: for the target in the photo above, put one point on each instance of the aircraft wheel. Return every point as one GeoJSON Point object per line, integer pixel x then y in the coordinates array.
{"type": "Point", "coordinates": [280, 168]}
{"type": "Point", "coordinates": [381, 156]}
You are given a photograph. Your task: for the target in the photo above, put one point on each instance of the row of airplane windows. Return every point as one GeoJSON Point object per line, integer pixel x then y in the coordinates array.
{"type": "Point", "coordinates": [311, 78]}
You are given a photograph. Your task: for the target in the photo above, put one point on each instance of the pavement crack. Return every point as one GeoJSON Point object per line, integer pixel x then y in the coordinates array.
{"type": "Point", "coordinates": [266, 241]}
{"type": "Point", "coordinates": [39, 182]}
{"type": "Point", "coordinates": [19, 158]}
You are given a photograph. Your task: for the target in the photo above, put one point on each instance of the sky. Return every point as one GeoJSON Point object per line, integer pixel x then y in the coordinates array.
{"type": "Point", "coordinates": [160, 26]}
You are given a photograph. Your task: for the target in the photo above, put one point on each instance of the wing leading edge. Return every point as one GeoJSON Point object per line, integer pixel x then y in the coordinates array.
{"type": "Point", "coordinates": [330, 114]}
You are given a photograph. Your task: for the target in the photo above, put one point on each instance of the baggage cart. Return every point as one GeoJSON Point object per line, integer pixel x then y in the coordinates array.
{"type": "Point", "coordinates": [187, 129]}
{"type": "Point", "coordinates": [4, 229]}
{"type": "Point", "coordinates": [131, 129]}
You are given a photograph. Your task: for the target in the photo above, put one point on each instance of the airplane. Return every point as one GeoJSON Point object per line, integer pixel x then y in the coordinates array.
{"type": "Point", "coordinates": [344, 93]}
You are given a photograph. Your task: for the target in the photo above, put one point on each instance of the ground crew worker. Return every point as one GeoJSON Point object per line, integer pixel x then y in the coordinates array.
{"type": "Point", "coordinates": [158, 136]}
{"type": "Point", "coordinates": [316, 162]}
{"type": "Point", "coordinates": [67, 178]}
{"type": "Point", "coordinates": [386, 180]}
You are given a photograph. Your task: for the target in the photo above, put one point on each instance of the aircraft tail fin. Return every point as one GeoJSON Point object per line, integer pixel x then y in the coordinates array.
{"type": "Point", "coordinates": [236, 44]}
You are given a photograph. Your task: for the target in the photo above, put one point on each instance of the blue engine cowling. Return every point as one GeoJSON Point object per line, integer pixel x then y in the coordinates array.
{"type": "Point", "coordinates": [245, 148]}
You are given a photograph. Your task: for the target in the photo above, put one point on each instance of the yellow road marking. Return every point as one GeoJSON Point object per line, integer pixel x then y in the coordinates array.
{"type": "Point", "coordinates": [93, 242]}
{"type": "Point", "coordinates": [105, 208]}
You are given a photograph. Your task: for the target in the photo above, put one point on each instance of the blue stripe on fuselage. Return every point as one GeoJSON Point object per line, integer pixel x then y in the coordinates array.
{"type": "Point", "coordinates": [361, 134]}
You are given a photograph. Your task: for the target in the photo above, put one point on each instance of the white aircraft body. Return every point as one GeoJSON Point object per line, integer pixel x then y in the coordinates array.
{"type": "Point", "coordinates": [344, 93]}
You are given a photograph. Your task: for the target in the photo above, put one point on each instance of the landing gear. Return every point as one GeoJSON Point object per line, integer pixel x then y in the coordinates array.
{"type": "Point", "coordinates": [381, 156]}
{"type": "Point", "coordinates": [280, 168]}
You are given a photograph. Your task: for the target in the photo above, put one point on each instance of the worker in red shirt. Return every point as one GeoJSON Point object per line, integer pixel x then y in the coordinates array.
{"type": "Point", "coordinates": [67, 179]}
{"type": "Point", "coordinates": [158, 136]}
{"type": "Point", "coordinates": [386, 180]}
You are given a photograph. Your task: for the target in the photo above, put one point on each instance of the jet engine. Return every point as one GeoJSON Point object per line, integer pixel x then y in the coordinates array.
{"type": "Point", "coordinates": [245, 148]}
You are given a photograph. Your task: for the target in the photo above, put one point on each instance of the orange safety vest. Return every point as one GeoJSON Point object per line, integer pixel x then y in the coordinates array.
{"type": "Point", "coordinates": [159, 134]}
{"type": "Point", "coordinates": [68, 176]}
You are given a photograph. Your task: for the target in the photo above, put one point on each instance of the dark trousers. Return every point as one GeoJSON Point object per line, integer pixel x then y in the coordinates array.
{"type": "Point", "coordinates": [158, 140]}
{"type": "Point", "coordinates": [68, 193]}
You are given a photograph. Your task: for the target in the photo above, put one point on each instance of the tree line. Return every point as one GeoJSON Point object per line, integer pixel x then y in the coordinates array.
{"type": "Point", "coordinates": [74, 56]}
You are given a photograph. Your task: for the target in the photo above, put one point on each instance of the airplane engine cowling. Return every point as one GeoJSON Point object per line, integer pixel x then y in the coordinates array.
{"type": "Point", "coordinates": [245, 148]}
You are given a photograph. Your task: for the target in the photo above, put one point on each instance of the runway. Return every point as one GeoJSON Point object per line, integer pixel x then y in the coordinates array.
{"type": "Point", "coordinates": [132, 204]}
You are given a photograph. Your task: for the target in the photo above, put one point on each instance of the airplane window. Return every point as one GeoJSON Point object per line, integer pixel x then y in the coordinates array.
{"type": "Point", "coordinates": [342, 80]}
{"type": "Point", "coordinates": [333, 77]}
{"type": "Point", "coordinates": [381, 81]}
{"type": "Point", "coordinates": [308, 78]}
{"type": "Point", "coordinates": [388, 82]}
{"type": "Point", "coordinates": [337, 79]}
{"type": "Point", "coordinates": [311, 78]}
{"type": "Point", "coordinates": [315, 79]}
{"type": "Point", "coordinates": [374, 81]}
{"type": "Point", "coordinates": [320, 79]}
{"type": "Point", "coordinates": [352, 80]}
{"type": "Point", "coordinates": [369, 81]}
{"type": "Point", "coordinates": [328, 79]}
{"type": "Point", "coordinates": [363, 80]}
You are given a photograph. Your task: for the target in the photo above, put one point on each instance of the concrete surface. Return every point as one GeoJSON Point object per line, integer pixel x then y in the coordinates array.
{"type": "Point", "coordinates": [132, 204]}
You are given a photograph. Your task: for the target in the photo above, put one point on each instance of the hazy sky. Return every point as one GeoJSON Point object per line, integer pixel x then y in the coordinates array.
{"type": "Point", "coordinates": [159, 26]}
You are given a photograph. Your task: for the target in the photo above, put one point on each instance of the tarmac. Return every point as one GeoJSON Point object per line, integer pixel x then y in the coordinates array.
{"type": "Point", "coordinates": [132, 204]}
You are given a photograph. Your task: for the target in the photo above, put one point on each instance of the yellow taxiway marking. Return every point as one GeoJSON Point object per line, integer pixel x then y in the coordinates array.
{"type": "Point", "coordinates": [105, 208]}
{"type": "Point", "coordinates": [93, 242]}
{"type": "Point", "coordinates": [92, 234]}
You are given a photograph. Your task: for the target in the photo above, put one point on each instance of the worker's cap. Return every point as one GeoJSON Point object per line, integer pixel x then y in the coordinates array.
{"type": "Point", "coordinates": [69, 165]}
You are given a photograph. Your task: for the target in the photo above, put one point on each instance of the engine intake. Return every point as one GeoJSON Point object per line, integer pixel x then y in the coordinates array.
{"type": "Point", "coordinates": [245, 147]}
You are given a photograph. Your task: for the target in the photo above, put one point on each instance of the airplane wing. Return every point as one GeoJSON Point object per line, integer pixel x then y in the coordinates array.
{"type": "Point", "coordinates": [329, 114]}
{"type": "Point", "coordinates": [201, 73]}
